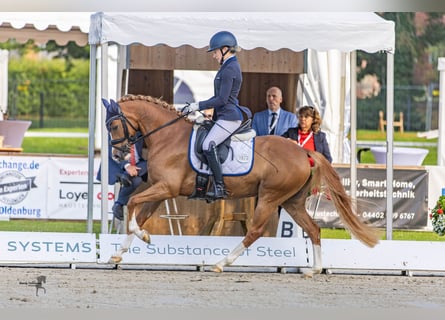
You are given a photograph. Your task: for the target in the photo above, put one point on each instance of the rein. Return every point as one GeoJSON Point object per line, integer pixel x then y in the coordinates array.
{"type": "Point", "coordinates": [133, 139]}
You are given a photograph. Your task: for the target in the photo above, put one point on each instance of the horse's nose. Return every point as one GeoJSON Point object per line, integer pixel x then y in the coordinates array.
{"type": "Point", "coordinates": [117, 155]}
{"type": "Point", "coordinates": [116, 158]}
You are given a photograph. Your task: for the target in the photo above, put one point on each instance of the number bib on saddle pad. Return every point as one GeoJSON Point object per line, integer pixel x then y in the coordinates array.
{"type": "Point", "coordinates": [239, 159]}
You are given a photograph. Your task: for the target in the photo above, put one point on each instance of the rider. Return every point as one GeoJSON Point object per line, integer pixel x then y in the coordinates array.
{"type": "Point", "coordinates": [227, 113]}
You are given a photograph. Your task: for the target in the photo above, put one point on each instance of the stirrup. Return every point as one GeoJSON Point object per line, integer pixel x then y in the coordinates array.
{"type": "Point", "coordinates": [199, 193]}
{"type": "Point", "coordinates": [218, 192]}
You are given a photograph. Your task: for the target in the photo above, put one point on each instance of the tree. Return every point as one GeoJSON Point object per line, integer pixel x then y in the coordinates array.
{"type": "Point", "coordinates": [420, 39]}
{"type": "Point", "coordinates": [414, 39]}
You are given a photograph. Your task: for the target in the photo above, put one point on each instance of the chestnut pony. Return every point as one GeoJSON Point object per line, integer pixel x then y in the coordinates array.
{"type": "Point", "coordinates": [282, 174]}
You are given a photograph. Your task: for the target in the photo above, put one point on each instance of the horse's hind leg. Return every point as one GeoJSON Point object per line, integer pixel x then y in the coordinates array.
{"type": "Point", "coordinates": [232, 256]}
{"type": "Point", "coordinates": [263, 211]}
{"type": "Point", "coordinates": [296, 208]}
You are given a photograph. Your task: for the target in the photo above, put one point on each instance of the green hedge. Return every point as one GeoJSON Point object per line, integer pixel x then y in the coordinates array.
{"type": "Point", "coordinates": [43, 90]}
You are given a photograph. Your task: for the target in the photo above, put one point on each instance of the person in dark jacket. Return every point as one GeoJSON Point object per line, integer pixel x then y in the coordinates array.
{"type": "Point", "coordinates": [308, 133]}
{"type": "Point", "coordinates": [130, 173]}
{"type": "Point", "coordinates": [227, 113]}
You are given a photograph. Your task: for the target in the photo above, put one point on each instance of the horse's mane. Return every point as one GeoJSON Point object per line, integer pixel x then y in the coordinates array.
{"type": "Point", "coordinates": [158, 101]}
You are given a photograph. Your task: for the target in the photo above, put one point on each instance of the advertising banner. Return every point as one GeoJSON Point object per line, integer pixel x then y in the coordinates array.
{"type": "Point", "coordinates": [68, 189]}
{"type": "Point", "coordinates": [47, 247]}
{"type": "Point", "coordinates": [49, 188]}
{"type": "Point", "coordinates": [410, 198]}
{"type": "Point", "coordinates": [207, 250]}
{"type": "Point", "coordinates": [23, 187]}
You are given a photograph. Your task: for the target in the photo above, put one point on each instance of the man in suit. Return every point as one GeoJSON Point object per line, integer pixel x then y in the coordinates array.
{"type": "Point", "coordinates": [273, 120]}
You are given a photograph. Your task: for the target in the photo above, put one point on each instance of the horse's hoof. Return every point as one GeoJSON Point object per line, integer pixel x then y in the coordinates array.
{"type": "Point", "coordinates": [317, 270]}
{"type": "Point", "coordinates": [307, 273]}
{"type": "Point", "coordinates": [216, 268]}
{"type": "Point", "coordinates": [115, 260]}
{"type": "Point", "coordinates": [146, 238]}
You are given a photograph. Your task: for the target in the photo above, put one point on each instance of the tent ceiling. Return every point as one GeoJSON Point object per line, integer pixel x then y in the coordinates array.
{"type": "Point", "coordinates": [44, 26]}
{"type": "Point", "coordinates": [297, 31]}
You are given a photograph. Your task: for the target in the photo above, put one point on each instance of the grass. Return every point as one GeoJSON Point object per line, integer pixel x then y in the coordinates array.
{"type": "Point", "coordinates": [26, 225]}
{"type": "Point", "coordinates": [49, 145]}
{"type": "Point", "coordinates": [46, 145]}
{"type": "Point", "coordinates": [327, 233]}
{"type": "Point", "coordinates": [369, 135]}
{"type": "Point", "coordinates": [79, 146]}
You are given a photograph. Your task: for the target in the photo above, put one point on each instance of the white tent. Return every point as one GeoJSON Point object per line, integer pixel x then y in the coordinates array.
{"type": "Point", "coordinates": [297, 31]}
{"type": "Point", "coordinates": [43, 26]}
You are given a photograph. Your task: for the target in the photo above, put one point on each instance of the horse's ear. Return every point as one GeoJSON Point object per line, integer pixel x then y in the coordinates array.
{"type": "Point", "coordinates": [106, 103]}
{"type": "Point", "coordinates": [114, 107]}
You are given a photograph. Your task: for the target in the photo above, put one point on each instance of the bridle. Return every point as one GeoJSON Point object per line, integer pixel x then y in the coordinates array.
{"type": "Point", "coordinates": [130, 139]}
{"type": "Point", "coordinates": [134, 138]}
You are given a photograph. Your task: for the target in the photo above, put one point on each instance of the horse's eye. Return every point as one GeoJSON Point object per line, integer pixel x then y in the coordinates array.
{"type": "Point", "coordinates": [114, 128]}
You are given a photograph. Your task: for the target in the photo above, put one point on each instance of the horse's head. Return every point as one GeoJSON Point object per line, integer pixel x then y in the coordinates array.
{"type": "Point", "coordinates": [122, 132]}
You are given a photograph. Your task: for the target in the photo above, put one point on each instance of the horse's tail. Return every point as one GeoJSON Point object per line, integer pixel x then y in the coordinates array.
{"type": "Point", "coordinates": [324, 176]}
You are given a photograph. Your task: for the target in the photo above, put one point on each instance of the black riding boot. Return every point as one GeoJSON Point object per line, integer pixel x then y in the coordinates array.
{"type": "Point", "coordinates": [219, 190]}
{"type": "Point", "coordinates": [200, 187]}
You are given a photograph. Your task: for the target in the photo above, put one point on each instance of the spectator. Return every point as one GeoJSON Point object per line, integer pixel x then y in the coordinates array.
{"type": "Point", "coordinates": [273, 120]}
{"type": "Point", "coordinates": [129, 175]}
{"type": "Point", "coordinates": [308, 133]}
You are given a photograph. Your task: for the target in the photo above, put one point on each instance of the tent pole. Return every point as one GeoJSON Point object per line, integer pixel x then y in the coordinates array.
{"type": "Point", "coordinates": [127, 68]}
{"type": "Point", "coordinates": [91, 125]}
{"type": "Point", "coordinates": [342, 105]}
{"type": "Point", "coordinates": [389, 142]}
{"type": "Point", "coordinates": [104, 149]}
{"type": "Point", "coordinates": [122, 78]}
{"type": "Point", "coordinates": [353, 126]}
{"type": "Point", "coordinates": [441, 127]}
{"type": "Point", "coordinates": [4, 58]}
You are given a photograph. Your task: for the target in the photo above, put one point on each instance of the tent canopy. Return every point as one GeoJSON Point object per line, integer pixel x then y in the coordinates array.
{"type": "Point", "coordinates": [44, 26]}
{"type": "Point", "coordinates": [297, 31]}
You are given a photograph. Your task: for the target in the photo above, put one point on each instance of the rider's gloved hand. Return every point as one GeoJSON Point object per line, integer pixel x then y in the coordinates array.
{"type": "Point", "coordinates": [194, 106]}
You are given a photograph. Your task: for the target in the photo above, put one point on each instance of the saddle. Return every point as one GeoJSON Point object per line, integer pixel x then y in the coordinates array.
{"type": "Point", "coordinates": [243, 133]}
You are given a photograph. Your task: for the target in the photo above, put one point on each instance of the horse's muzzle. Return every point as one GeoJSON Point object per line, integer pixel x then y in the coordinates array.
{"type": "Point", "coordinates": [117, 159]}
{"type": "Point", "coordinates": [119, 156]}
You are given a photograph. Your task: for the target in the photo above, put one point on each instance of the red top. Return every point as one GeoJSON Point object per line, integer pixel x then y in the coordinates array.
{"type": "Point", "coordinates": [306, 140]}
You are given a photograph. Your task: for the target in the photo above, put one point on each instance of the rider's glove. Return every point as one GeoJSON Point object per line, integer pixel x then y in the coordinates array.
{"type": "Point", "coordinates": [194, 106]}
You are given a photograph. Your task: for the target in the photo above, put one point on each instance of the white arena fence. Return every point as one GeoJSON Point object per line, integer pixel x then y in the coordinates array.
{"type": "Point", "coordinates": [56, 188]}
{"type": "Point", "coordinates": [202, 251]}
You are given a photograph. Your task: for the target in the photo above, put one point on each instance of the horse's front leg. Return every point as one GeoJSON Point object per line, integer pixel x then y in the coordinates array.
{"type": "Point", "coordinates": [125, 245]}
{"type": "Point", "coordinates": [136, 219]}
{"type": "Point", "coordinates": [133, 228]}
